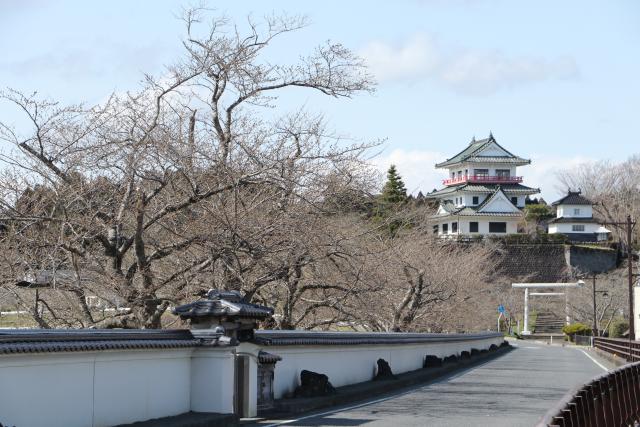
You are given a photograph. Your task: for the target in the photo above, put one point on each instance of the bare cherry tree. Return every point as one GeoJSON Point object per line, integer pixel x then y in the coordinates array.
{"type": "Point", "coordinates": [149, 197]}
{"type": "Point", "coordinates": [425, 283]}
{"type": "Point", "coordinates": [615, 187]}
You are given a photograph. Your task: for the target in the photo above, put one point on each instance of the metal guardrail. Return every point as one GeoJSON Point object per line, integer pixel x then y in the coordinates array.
{"type": "Point", "coordinates": [629, 350]}
{"type": "Point", "coordinates": [611, 400]}
{"type": "Point", "coordinates": [583, 340]}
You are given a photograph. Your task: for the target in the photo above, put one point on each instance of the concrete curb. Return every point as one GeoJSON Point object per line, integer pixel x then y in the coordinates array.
{"type": "Point", "coordinates": [365, 390]}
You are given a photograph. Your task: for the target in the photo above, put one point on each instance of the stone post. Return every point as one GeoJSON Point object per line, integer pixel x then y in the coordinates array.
{"type": "Point", "coordinates": [526, 330]}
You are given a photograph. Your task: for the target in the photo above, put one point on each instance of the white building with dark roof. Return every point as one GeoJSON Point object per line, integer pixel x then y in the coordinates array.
{"type": "Point", "coordinates": [574, 218]}
{"type": "Point", "coordinates": [483, 194]}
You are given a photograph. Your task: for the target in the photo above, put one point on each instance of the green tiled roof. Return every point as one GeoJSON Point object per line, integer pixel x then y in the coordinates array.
{"type": "Point", "coordinates": [473, 210]}
{"type": "Point", "coordinates": [507, 188]}
{"type": "Point", "coordinates": [446, 190]}
{"type": "Point", "coordinates": [470, 154]}
{"type": "Point", "coordinates": [485, 188]}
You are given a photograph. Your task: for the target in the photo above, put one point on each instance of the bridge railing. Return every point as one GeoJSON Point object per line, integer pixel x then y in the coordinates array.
{"type": "Point", "coordinates": [612, 399]}
{"type": "Point", "coordinates": [628, 350]}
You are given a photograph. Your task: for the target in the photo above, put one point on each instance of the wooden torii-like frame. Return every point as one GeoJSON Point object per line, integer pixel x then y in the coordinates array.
{"type": "Point", "coordinates": [528, 286]}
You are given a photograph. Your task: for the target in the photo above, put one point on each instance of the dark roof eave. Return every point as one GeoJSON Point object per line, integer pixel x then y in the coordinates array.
{"type": "Point", "coordinates": [565, 220]}
{"type": "Point", "coordinates": [517, 161]}
{"type": "Point", "coordinates": [472, 187]}
{"type": "Point", "coordinates": [573, 199]}
{"type": "Point", "coordinates": [288, 338]}
{"type": "Point", "coordinates": [76, 340]}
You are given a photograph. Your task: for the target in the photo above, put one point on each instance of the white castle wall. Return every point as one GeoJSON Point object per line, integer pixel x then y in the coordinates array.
{"type": "Point", "coordinates": [107, 388]}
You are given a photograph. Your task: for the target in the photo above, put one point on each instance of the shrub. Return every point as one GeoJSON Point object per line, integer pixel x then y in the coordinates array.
{"type": "Point", "coordinates": [576, 329]}
{"type": "Point", "coordinates": [617, 328]}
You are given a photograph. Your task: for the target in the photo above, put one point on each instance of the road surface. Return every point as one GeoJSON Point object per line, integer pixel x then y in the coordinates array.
{"type": "Point", "coordinates": [515, 389]}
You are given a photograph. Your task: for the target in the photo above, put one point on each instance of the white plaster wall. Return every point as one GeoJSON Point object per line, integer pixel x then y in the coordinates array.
{"type": "Point", "coordinates": [467, 199]}
{"type": "Point", "coordinates": [492, 169]}
{"type": "Point", "coordinates": [567, 211]}
{"type": "Point", "coordinates": [483, 226]}
{"type": "Point", "coordinates": [46, 390]}
{"type": "Point", "coordinates": [102, 388]}
{"type": "Point", "coordinates": [521, 200]}
{"type": "Point", "coordinates": [142, 385]}
{"type": "Point", "coordinates": [352, 364]}
{"type": "Point", "coordinates": [567, 228]}
{"type": "Point", "coordinates": [212, 380]}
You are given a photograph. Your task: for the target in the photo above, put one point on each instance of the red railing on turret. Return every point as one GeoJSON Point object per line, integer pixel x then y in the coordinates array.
{"type": "Point", "coordinates": [486, 179]}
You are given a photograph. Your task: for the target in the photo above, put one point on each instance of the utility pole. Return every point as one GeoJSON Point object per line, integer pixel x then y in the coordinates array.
{"type": "Point", "coordinates": [628, 225]}
{"type": "Point", "coordinates": [595, 313]}
{"type": "Point", "coordinates": [632, 330]}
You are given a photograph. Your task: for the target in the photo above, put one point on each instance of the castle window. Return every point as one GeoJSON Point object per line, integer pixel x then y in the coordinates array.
{"type": "Point", "coordinates": [577, 227]}
{"type": "Point", "coordinates": [473, 227]}
{"type": "Point", "coordinates": [445, 228]}
{"type": "Point", "coordinates": [435, 229]}
{"type": "Point", "coordinates": [503, 173]}
{"type": "Point", "coordinates": [454, 227]}
{"type": "Point", "coordinates": [497, 227]}
{"type": "Point", "coordinates": [481, 172]}
{"type": "Point", "coordinates": [476, 200]}
{"type": "Point", "coordinates": [576, 211]}
{"type": "Point", "coordinates": [514, 200]}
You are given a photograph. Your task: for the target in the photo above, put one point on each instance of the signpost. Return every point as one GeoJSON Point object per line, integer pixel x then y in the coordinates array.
{"type": "Point", "coordinates": [502, 313]}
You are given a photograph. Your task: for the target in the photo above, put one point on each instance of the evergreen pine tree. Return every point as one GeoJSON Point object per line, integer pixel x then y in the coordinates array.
{"type": "Point", "coordinates": [394, 190]}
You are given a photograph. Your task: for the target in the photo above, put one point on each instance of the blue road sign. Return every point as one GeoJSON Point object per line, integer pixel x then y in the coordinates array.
{"type": "Point", "coordinates": [501, 309]}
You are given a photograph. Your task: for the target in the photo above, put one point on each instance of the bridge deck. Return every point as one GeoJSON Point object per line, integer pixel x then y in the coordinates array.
{"type": "Point", "coordinates": [513, 390]}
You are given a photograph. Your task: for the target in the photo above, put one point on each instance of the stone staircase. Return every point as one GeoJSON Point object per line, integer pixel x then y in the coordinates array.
{"type": "Point", "coordinates": [548, 323]}
{"type": "Point", "coordinates": [548, 328]}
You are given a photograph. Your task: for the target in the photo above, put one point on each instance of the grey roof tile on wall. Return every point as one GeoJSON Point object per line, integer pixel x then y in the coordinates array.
{"type": "Point", "coordinates": [65, 340]}
{"type": "Point", "coordinates": [284, 338]}
{"type": "Point", "coordinates": [267, 358]}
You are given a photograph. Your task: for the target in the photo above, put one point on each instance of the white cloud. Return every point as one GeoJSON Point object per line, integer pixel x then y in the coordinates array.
{"type": "Point", "coordinates": [415, 58]}
{"type": "Point", "coordinates": [417, 168]}
{"type": "Point", "coordinates": [468, 71]}
{"type": "Point", "coordinates": [542, 173]}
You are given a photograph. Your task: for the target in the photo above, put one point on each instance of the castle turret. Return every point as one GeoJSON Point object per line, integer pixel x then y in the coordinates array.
{"type": "Point", "coordinates": [483, 193]}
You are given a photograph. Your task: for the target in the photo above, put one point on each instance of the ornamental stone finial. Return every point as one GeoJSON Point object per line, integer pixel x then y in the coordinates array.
{"type": "Point", "coordinates": [225, 312]}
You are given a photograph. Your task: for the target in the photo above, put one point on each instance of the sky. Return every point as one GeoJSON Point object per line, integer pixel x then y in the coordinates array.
{"type": "Point", "coordinates": [556, 82]}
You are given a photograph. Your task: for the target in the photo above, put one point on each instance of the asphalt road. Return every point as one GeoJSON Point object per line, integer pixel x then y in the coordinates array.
{"type": "Point", "coordinates": [515, 389]}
